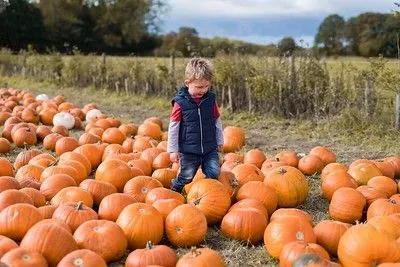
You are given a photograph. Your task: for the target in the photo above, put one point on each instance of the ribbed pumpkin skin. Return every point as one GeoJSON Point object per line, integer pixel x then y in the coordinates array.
{"type": "Point", "coordinates": [328, 233]}
{"type": "Point", "coordinates": [52, 241]}
{"type": "Point", "coordinates": [280, 232]}
{"type": "Point", "coordinates": [186, 226]}
{"type": "Point", "coordinates": [347, 205]}
{"type": "Point", "coordinates": [260, 191]}
{"type": "Point", "coordinates": [23, 258]}
{"type": "Point", "coordinates": [82, 257]}
{"type": "Point", "coordinates": [112, 205]}
{"type": "Point", "coordinates": [15, 220]}
{"type": "Point", "coordinates": [245, 224]}
{"type": "Point", "coordinates": [293, 250]}
{"type": "Point", "coordinates": [90, 235]}
{"type": "Point", "coordinates": [158, 255]}
{"type": "Point", "coordinates": [6, 244]}
{"type": "Point", "coordinates": [141, 223]}
{"type": "Point", "coordinates": [291, 212]}
{"type": "Point", "coordinates": [203, 257]}
{"type": "Point", "coordinates": [114, 171]}
{"type": "Point", "coordinates": [357, 249]}
{"type": "Point", "coordinates": [211, 198]}
{"type": "Point", "coordinates": [290, 185]}
{"type": "Point", "coordinates": [74, 214]}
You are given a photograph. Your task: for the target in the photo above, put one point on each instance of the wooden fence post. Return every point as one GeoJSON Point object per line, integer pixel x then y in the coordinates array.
{"type": "Point", "coordinates": [397, 112]}
{"type": "Point", "coordinates": [126, 86]}
{"type": "Point", "coordinates": [366, 98]}
{"type": "Point", "coordinates": [117, 86]}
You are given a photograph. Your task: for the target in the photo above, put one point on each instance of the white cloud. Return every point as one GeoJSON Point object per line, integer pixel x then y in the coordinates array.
{"type": "Point", "coordinates": [252, 8]}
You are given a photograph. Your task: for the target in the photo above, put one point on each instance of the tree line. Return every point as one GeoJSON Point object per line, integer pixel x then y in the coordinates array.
{"type": "Point", "coordinates": [124, 27]}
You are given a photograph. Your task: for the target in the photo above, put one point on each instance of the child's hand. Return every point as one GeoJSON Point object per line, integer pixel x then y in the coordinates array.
{"type": "Point", "coordinates": [174, 157]}
{"type": "Point", "coordinates": [219, 148]}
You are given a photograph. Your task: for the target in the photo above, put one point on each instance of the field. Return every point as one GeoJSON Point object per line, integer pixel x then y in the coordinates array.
{"type": "Point", "coordinates": [269, 133]}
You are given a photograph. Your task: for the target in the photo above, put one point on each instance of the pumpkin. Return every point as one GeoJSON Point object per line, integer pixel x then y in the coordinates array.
{"type": "Point", "coordinates": [49, 142]}
{"type": "Point", "coordinates": [15, 220]}
{"type": "Point", "coordinates": [395, 162]}
{"type": "Point", "coordinates": [54, 183]}
{"type": "Point", "coordinates": [204, 257]}
{"type": "Point", "coordinates": [371, 194]}
{"type": "Point", "coordinates": [329, 232]}
{"type": "Point", "coordinates": [51, 240]}
{"type": "Point", "coordinates": [347, 205]}
{"type": "Point", "coordinates": [6, 168]}
{"type": "Point", "coordinates": [293, 250]}
{"type": "Point", "coordinates": [49, 171]}
{"type": "Point", "coordinates": [64, 119]}
{"type": "Point", "coordinates": [388, 225]}
{"type": "Point", "coordinates": [363, 172]}
{"type": "Point", "coordinates": [383, 207]}
{"type": "Point", "coordinates": [150, 129]}
{"type": "Point", "coordinates": [185, 226]}
{"type": "Point", "coordinates": [246, 172]}
{"type": "Point", "coordinates": [113, 136]}
{"type": "Point", "coordinates": [234, 139]}
{"type": "Point", "coordinates": [290, 185]}
{"type": "Point", "coordinates": [24, 136]}
{"type": "Point", "coordinates": [37, 197]}
{"type": "Point", "coordinates": [141, 223]}
{"type": "Point", "coordinates": [8, 182]}
{"type": "Point", "coordinates": [244, 224]}
{"type": "Point", "coordinates": [111, 206]}
{"type": "Point", "coordinates": [92, 114]}
{"type": "Point", "coordinates": [66, 144]}
{"type": "Point", "coordinates": [384, 184]}
{"type": "Point", "coordinates": [139, 186]}
{"type": "Point", "coordinates": [250, 203]}
{"type": "Point", "coordinates": [280, 214]}
{"type": "Point", "coordinates": [74, 214]}
{"type": "Point", "coordinates": [386, 168]}
{"type": "Point", "coordinates": [6, 244]}
{"type": "Point", "coordinates": [90, 235]}
{"type": "Point", "coordinates": [162, 160]}
{"type": "Point", "coordinates": [311, 259]}
{"type": "Point", "coordinates": [114, 171]}
{"type": "Point", "coordinates": [281, 232]}
{"type": "Point", "coordinates": [288, 157]}
{"type": "Point", "coordinates": [23, 258]}
{"type": "Point", "coordinates": [356, 241]}
{"type": "Point", "coordinates": [98, 189]}
{"type": "Point", "coordinates": [47, 211]}
{"type": "Point", "coordinates": [211, 198]}
{"type": "Point", "coordinates": [255, 157]}
{"type": "Point", "coordinates": [72, 194]}
{"type": "Point", "coordinates": [129, 129]}
{"type": "Point", "coordinates": [260, 191]}
{"type": "Point", "coordinates": [325, 154]}
{"type": "Point", "coordinates": [311, 164]}
{"type": "Point", "coordinates": [165, 206]}
{"type": "Point", "coordinates": [88, 138]}
{"type": "Point", "coordinates": [336, 180]}
{"type": "Point", "coordinates": [165, 176]}
{"type": "Point", "coordinates": [78, 166]}
{"type": "Point", "coordinates": [13, 196]}
{"type": "Point", "coordinates": [82, 257]}
{"type": "Point", "coordinates": [229, 157]}
{"type": "Point", "coordinates": [159, 254]}
{"type": "Point", "coordinates": [78, 157]}
{"type": "Point", "coordinates": [92, 152]}
{"type": "Point", "coordinates": [5, 145]}
{"type": "Point", "coordinates": [163, 193]}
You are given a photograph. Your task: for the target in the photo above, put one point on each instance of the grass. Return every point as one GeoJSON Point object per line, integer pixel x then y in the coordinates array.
{"type": "Point", "coordinates": [268, 133]}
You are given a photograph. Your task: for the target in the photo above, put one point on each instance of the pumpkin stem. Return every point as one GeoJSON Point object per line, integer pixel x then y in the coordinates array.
{"type": "Point", "coordinates": [282, 171]}
{"type": "Point", "coordinates": [194, 252]}
{"type": "Point", "coordinates": [79, 205]}
{"type": "Point", "coordinates": [277, 159]}
{"type": "Point", "coordinates": [196, 201]}
{"type": "Point", "coordinates": [392, 201]}
{"type": "Point", "coordinates": [149, 245]}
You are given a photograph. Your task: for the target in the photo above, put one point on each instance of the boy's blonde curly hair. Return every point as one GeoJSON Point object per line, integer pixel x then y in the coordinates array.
{"type": "Point", "coordinates": [199, 68]}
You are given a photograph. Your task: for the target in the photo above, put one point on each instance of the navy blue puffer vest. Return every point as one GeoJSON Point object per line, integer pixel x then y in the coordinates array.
{"type": "Point", "coordinates": [197, 131]}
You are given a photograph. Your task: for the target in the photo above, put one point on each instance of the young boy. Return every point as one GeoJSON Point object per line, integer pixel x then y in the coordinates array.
{"type": "Point", "coordinates": [195, 129]}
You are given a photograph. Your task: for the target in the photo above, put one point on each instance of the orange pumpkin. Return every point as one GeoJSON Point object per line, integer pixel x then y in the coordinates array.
{"type": "Point", "coordinates": [324, 153]}
{"type": "Point", "coordinates": [293, 250]}
{"type": "Point", "coordinates": [347, 205]}
{"type": "Point", "coordinates": [329, 232]}
{"type": "Point", "coordinates": [260, 191]}
{"type": "Point", "coordinates": [201, 257]}
{"type": "Point", "coordinates": [159, 254]}
{"type": "Point", "coordinates": [111, 206]}
{"type": "Point", "coordinates": [83, 257]}
{"type": "Point", "coordinates": [24, 258]}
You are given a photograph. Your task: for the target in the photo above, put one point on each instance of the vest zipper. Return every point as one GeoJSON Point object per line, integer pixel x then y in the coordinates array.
{"type": "Point", "coordinates": [201, 131]}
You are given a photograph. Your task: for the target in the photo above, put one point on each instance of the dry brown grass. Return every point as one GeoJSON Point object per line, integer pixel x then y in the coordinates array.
{"type": "Point", "coordinates": [268, 134]}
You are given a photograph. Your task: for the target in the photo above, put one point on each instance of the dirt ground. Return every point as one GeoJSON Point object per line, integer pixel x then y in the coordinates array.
{"type": "Point", "coordinates": [269, 135]}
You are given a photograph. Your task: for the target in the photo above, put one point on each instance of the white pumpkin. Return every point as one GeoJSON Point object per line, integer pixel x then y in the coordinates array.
{"type": "Point", "coordinates": [42, 97]}
{"type": "Point", "coordinates": [92, 114]}
{"type": "Point", "coordinates": [65, 119]}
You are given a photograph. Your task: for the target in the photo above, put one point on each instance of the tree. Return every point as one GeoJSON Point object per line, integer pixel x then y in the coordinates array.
{"type": "Point", "coordinates": [286, 46]}
{"type": "Point", "coordinates": [188, 42]}
{"type": "Point", "coordinates": [331, 35]}
{"type": "Point", "coordinates": [21, 25]}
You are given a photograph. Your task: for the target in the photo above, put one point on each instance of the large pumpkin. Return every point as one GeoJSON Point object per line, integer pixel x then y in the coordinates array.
{"type": "Point", "coordinates": [290, 185]}
{"type": "Point", "coordinates": [141, 223]}
{"type": "Point", "coordinates": [112, 205]}
{"type": "Point", "coordinates": [260, 191]}
{"type": "Point", "coordinates": [152, 255]}
{"type": "Point", "coordinates": [211, 198]}
{"type": "Point", "coordinates": [74, 214]}
{"type": "Point", "coordinates": [114, 171]}
{"type": "Point", "coordinates": [328, 234]}
{"type": "Point", "coordinates": [293, 250]}
{"type": "Point", "coordinates": [204, 257]}
{"type": "Point", "coordinates": [347, 205]}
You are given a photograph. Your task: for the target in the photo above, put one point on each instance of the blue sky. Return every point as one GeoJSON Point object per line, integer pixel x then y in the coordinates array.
{"type": "Point", "coordinates": [263, 21]}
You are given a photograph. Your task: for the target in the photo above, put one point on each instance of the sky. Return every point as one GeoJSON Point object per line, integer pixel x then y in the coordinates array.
{"type": "Point", "coordinates": [263, 21]}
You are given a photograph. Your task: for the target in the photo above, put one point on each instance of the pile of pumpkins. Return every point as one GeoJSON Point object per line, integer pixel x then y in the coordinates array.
{"type": "Point", "coordinates": [87, 199]}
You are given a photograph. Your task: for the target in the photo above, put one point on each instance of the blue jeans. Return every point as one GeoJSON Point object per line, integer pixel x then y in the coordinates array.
{"type": "Point", "coordinates": [190, 164]}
